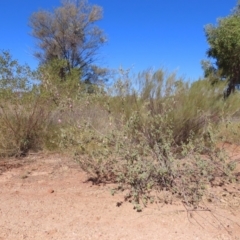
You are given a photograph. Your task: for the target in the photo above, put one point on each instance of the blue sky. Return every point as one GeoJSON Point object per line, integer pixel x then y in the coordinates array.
{"type": "Point", "coordinates": [141, 34]}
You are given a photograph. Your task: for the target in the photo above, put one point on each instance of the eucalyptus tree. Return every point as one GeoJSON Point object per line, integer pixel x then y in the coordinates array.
{"type": "Point", "coordinates": [69, 33]}
{"type": "Point", "coordinates": [224, 42]}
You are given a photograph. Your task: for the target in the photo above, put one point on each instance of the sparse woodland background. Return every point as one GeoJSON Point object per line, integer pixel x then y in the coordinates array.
{"type": "Point", "coordinates": [147, 133]}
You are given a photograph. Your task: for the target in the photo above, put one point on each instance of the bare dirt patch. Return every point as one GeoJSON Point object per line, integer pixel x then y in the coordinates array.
{"type": "Point", "coordinates": [48, 197]}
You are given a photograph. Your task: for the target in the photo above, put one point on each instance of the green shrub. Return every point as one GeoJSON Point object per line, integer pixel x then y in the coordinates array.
{"type": "Point", "coordinates": [166, 143]}
{"type": "Point", "coordinates": [23, 123]}
{"type": "Point", "coordinates": [228, 128]}
{"type": "Point", "coordinates": [151, 134]}
{"type": "Point", "coordinates": [23, 110]}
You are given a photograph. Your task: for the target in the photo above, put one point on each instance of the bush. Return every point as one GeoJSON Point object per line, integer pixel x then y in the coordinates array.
{"type": "Point", "coordinates": [30, 116]}
{"type": "Point", "coordinates": [157, 133]}
{"type": "Point", "coordinates": [167, 142]}
{"type": "Point", "coordinates": [23, 110]}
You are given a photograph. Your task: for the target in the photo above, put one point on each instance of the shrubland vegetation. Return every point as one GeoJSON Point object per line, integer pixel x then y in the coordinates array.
{"type": "Point", "coordinates": [150, 133]}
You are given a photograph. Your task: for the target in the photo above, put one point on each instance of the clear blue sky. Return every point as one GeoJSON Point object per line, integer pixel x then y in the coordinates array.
{"type": "Point", "coordinates": [141, 34]}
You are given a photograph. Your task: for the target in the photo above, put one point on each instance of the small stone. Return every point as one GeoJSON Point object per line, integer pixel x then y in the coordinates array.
{"type": "Point", "coordinates": [51, 191]}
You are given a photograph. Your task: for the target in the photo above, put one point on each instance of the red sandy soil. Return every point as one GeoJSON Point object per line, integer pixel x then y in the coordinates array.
{"type": "Point", "coordinates": [47, 197]}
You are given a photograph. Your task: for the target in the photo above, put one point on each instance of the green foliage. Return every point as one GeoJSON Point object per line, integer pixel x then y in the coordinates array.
{"type": "Point", "coordinates": [148, 135]}
{"type": "Point", "coordinates": [23, 122]}
{"type": "Point", "coordinates": [224, 42]}
{"type": "Point", "coordinates": [63, 86]}
{"type": "Point", "coordinates": [166, 143]}
{"type": "Point", "coordinates": [23, 111]}
{"type": "Point", "coordinates": [35, 117]}
{"type": "Point", "coordinates": [228, 128]}
{"type": "Point", "coordinates": [13, 77]}
{"type": "Point", "coordinates": [57, 84]}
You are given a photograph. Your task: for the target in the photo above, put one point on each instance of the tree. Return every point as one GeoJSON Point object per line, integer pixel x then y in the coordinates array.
{"type": "Point", "coordinates": [14, 78]}
{"type": "Point", "coordinates": [69, 33]}
{"type": "Point", "coordinates": [224, 41]}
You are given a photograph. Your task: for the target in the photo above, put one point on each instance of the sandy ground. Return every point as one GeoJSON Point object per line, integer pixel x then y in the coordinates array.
{"type": "Point", "coordinates": [47, 197]}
